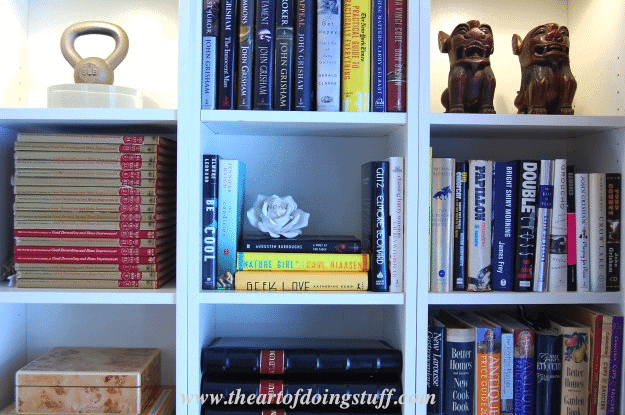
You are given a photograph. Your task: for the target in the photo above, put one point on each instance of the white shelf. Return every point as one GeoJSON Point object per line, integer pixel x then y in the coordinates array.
{"type": "Point", "coordinates": [67, 119]}
{"type": "Point", "coordinates": [530, 126]}
{"type": "Point", "coordinates": [296, 123]}
{"type": "Point", "coordinates": [164, 295]}
{"type": "Point", "coordinates": [507, 298]}
{"type": "Point", "coordinates": [303, 298]}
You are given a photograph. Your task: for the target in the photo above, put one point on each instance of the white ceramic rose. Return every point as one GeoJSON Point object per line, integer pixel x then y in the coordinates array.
{"type": "Point", "coordinates": [277, 216]}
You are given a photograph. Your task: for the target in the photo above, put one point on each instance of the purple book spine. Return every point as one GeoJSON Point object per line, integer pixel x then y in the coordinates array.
{"type": "Point", "coordinates": [614, 380]}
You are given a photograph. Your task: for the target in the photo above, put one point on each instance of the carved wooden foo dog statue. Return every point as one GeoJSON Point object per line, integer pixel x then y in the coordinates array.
{"type": "Point", "coordinates": [471, 82]}
{"type": "Point", "coordinates": [547, 84]}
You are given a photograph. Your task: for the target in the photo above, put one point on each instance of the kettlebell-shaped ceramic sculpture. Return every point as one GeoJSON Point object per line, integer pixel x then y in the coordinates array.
{"type": "Point", "coordinates": [94, 70]}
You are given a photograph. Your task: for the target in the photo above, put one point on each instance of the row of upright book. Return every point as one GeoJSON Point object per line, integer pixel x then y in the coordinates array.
{"type": "Point", "coordinates": [559, 361]}
{"type": "Point", "coordinates": [523, 225]}
{"type": "Point", "coordinates": [300, 376]}
{"type": "Point", "coordinates": [304, 55]}
{"type": "Point", "coordinates": [233, 260]}
{"type": "Point", "coordinates": [94, 211]}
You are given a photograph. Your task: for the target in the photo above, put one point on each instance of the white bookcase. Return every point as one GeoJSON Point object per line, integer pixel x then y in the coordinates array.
{"type": "Point", "coordinates": [315, 157]}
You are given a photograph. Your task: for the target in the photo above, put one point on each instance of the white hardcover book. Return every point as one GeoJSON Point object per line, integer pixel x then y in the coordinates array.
{"type": "Point", "coordinates": [328, 55]}
{"type": "Point", "coordinates": [543, 226]}
{"type": "Point", "coordinates": [442, 224]}
{"type": "Point", "coordinates": [396, 240]}
{"type": "Point", "coordinates": [597, 223]}
{"type": "Point", "coordinates": [558, 235]}
{"type": "Point", "coordinates": [479, 220]}
{"type": "Point", "coordinates": [581, 232]}
{"type": "Point", "coordinates": [229, 215]}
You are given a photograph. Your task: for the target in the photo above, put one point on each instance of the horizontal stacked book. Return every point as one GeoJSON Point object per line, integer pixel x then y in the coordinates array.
{"type": "Point", "coordinates": [68, 380]}
{"type": "Point", "coordinates": [301, 375]}
{"type": "Point", "coordinates": [553, 230]}
{"type": "Point", "coordinates": [94, 211]}
{"type": "Point", "coordinates": [564, 360]}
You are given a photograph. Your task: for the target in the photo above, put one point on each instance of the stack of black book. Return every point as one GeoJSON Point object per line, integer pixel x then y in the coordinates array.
{"type": "Point", "coordinates": [300, 376]}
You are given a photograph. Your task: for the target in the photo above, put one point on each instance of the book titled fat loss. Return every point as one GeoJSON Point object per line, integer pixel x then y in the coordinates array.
{"type": "Point", "coordinates": [527, 202]}
{"type": "Point", "coordinates": [479, 219]}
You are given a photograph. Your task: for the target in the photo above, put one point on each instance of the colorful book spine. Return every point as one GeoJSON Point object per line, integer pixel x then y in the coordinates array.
{"type": "Point", "coordinates": [396, 238]}
{"type": "Point", "coordinates": [375, 190]}
{"type": "Point", "coordinates": [283, 66]}
{"type": "Point", "coordinates": [245, 74]}
{"type": "Point", "coordinates": [613, 231]}
{"type": "Point", "coordinates": [227, 55]}
{"type": "Point", "coordinates": [604, 364]}
{"type": "Point", "coordinates": [507, 374]}
{"type": "Point", "coordinates": [543, 226]}
{"type": "Point", "coordinates": [337, 244]}
{"type": "Point", "coordinates": [504, 202]}
{"type": "Point", "coordinates": [210, 187]}
{"type": "Point", "coordinates": [442, 224]}
{"type": "Point", "coordinates": [328, 91]}
{"type": "Point", "coordinates": [460, 226]}
{"type": "Point", "coordinates": [210, 51]}
{"type": "Point", "coordinates": [301, 281]}
{"type": "Point", "coordinates": [479, 218]}
{"type": "Point", "coordinates": [436, 355]}
{"type": "Point", "coordinates": [488, 368]}
{"type": "Point", "coordinates": [558, 234]}
{"type": "Point", "coordinates": [356, 50]}
{"type": "Point", "coordinates": [571, 249]}
{"type": "Point", "coordinates": [304, 52]}
{"type": "Point", "coordinates": [527, 203]}
{"type": "Point", "coordinates": [286, 261]}
{"type": "Point", "coordinates": [378, 58]}
{"type": "Point", "coordinates": [616, 356]}
{"type": "Point", "coordinates": [548, 384]}
{"type": "Point", "coordinates": [396, 38]}
{"type": "Point", "coordinates": [231, 192]}
{"type": "Point", "coordinates": [582, 233]}
{"type": "Point", "coordinates": [524, 371]}
{"type": "Point", "coordinates": [265, 27]}
{"type": "Point", "coordinates": [597, 231]}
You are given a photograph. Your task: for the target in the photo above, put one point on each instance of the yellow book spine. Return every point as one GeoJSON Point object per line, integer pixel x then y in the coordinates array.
{"type": "Point", "coordinates": [301, 281]}
{"type": "Point", "coordinates": [288, 261]}
{"type": "Point", "coordinates": [356, 50]}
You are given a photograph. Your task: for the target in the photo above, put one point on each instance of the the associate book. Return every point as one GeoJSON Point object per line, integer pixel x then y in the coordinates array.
{"type": "Point", "coordinates": [244, 356]}
{"type": "Point", "coordinates": [356, 56]}
{"type": "Point", "coordinates": [442, 224]}
{"type": "Point", "coordinates": [479, 218]}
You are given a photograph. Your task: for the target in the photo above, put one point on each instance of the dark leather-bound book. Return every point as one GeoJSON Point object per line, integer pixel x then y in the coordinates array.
{"type": "Point", "coordinates": [282, 357]}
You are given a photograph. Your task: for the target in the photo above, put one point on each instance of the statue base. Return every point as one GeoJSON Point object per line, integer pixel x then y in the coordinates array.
{"type": "Point", "coordinates": [97, 96]}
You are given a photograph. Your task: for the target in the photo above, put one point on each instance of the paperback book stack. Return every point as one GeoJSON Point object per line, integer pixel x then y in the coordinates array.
{"type": "Point", "coordinates": [94, 211]}
{"type": "Point", "coordinates": [303, 263]}
{"type": "Point", "coordinates": [301, 376]}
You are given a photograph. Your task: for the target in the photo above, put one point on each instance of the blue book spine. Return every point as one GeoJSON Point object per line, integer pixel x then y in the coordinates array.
{"type": "Point", "coordinates": [459, 377]}
{"type": "Point", "coordinates": [524, 369]}
{"type": "Point", "coordinates": [283, 67]}
{"type": "Point", "coordinates": [436, 354]}
{"type": "Point", "coordinates": [504, 203]}
{"type": "Point", "coordinates": [230, 214]}
{"type": "Point", "coordinates": [528, 172]}
{"type": "Point", "coordinates": [378, 56]}
{"type": "Point", "coordinates": [304, 47]}
{"type": "Point", "coordinates": [210, 189]}
{"type": "Point", "coordinates": [264, 54]}
{"type": "Point", "coordinates": [547, 389]}
{"type": "Point", "coordinates": [460, 226]}
{"type": "Point", "coordinates": [376, 222]}
{"type": "Point", "coordinates": [227, 52]}
{"type": "Point", "coordinates": [507, 373]}
{"type": "Point", "coordinates": [210, 46]}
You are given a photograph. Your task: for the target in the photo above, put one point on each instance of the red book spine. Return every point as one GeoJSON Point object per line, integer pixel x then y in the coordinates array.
{"type": "Point", "coordinates": [396, 38]}
{"type": "Point", "coordinates": [84, 251]}
{"type": "Point", "coordinates": [85, 259]}
{"type": "Point", "coordinates": [71, 233]}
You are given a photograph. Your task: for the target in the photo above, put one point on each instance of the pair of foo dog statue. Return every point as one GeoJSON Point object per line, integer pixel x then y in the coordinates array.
{"type": "Point", "coordinates": [547, 84]}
